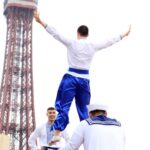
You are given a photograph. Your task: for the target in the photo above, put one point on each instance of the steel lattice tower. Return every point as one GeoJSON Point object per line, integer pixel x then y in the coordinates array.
{"type": "Point", "coordinates": [17, 116]}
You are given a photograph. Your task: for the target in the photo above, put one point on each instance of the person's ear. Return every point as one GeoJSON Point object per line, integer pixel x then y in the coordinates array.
{"type": "Point", "coordinates": [90, 114]}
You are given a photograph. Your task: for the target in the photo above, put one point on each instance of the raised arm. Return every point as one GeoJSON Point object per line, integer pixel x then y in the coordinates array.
{"type": "Point", "coordinates": [65, 135]}
{"type": "Point", "coordinates": [51, 30]}
{"type": "Point", "coordinates": [77, 138]}
{"type": "Point", "coordinates": [110, 41]}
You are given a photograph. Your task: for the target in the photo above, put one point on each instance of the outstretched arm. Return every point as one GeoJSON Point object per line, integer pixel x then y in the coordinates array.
{"type": "Point", "coordinates": [110, 41]}
{"type": "Point", "coordinates": [38, 19]}
{"type": "Point", "coordinates": [51, 30]}
{"type": "Point", "coordinates": [126, 33]}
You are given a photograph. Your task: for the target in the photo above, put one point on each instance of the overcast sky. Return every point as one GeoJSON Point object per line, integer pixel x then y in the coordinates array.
{"type": "Point", "coordinates": [120, 75]}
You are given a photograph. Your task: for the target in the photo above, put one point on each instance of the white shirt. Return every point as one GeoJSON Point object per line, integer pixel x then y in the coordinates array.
{"type": "Point", "coordinates": [97, 137]}
{"type": "Point", "coordinates": [80, 52]}
{"type": "Point", "coordinates": [41, 134]}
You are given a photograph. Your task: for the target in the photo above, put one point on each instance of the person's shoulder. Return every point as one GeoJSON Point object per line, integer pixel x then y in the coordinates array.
{"type": "Point", "coordinates": [82, 124]}
{"type": "Point", "coordinates": [64, 132]}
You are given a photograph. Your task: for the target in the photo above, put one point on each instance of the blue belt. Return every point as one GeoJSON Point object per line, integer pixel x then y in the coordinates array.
{"type": "Point", "coordinates": [79, 71]}
{"type": "Point", "coordinates": [50, 148]}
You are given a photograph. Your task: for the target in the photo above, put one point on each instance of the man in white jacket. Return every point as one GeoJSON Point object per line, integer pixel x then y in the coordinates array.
{"type": "Point", "coordinates": [76, 82]}
{"type": "Point", "coordinates": [43, 133]}
{"type": "Point", "coordinates": [97, 132]}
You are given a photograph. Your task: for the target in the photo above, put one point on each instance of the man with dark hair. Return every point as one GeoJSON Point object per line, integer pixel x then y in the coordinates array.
{"type": "Point", "coordinates": [75, 83]}
{"type": "Point", "coordinates": [83, 30]}
{"type": "Point", "coordinates": [51, 108]}
{"type": "Point", "coordinates": [98, 132]}
{"type": "Point", "coordinates": [43, 133]}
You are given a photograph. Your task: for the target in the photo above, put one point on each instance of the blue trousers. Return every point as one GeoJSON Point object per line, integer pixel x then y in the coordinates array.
{"type": "Point", "coordinates": [71, 87]}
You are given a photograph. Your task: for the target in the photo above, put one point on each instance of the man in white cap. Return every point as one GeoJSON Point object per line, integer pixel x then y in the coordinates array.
{"type": "Point", "coordinates": [98, 132]}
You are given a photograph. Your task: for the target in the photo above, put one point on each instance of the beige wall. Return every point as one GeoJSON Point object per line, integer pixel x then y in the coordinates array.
{"type": "Point", "coordinates": [4, 142]}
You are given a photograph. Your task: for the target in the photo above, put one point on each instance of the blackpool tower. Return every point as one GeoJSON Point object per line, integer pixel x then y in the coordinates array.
{"type": "Point", "coordinates": [17, 115]}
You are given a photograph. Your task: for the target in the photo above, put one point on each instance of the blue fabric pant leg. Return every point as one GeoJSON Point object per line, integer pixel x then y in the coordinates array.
{"type": "Point", "coordinates": [82, 98]}
{"type": "Point", "coordinates": [69, 88]}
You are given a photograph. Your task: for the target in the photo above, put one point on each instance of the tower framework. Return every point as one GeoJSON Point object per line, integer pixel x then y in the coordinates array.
{"type": "Point", "coordinates": [17, 115]}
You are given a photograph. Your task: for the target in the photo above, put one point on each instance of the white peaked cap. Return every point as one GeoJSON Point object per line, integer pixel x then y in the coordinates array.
{"type": "Point", "coordinates": [93, 107]}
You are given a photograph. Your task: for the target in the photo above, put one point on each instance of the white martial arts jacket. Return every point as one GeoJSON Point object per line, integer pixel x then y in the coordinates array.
{"type": "Point", "coordinates": [41, 134]}
{"type": "Point", "coordinates": [97, 137]}
{"type": "Point", "coordinates": [80, 52]}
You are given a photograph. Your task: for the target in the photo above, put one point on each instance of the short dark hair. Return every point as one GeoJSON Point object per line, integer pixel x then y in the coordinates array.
{"type": "Point", "coordinates": [83, 30]}
{"type": "Point", "coordinates": [97, 111]}
{"type": "Point", "coordinates": [50, 108]}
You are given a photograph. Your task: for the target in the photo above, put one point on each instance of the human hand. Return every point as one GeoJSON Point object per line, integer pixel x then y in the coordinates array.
{"type": "Point", "coordinates": [127, 32]}
{"type": "Point", "coordinates": [42, 148]}
{"type": "Point", "coordinates": [36, 15]}
{"type": "Point", "coordinates": [54, 140]}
